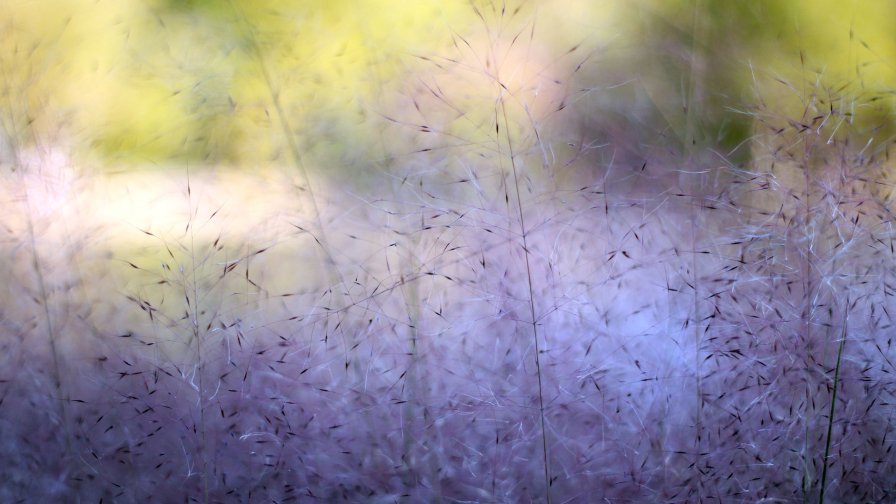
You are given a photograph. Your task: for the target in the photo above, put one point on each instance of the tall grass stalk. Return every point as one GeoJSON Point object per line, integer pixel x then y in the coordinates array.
{"type": "Point", "coordinates": [829, 435]}
{"type": "Point", "coordinates": [191, 290]}
{"type": "Point", "coordinates": [524, 234]}
{"type": "Point", "coordinates": [61, 398]}
{"type": "Point", "coordinates": [16, 129]}
{"type": "Point", "coordinates": [692, 107]}
{"type": "Point", "coordinates": [340, 292]}
{"type": "Point", "coordinates": [809, 287]}
{"type": "Point", "coordinates": [286, 128]}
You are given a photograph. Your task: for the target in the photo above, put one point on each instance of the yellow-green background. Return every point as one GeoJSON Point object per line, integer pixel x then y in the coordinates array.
{"type": "Point", "coordinates": [164, 82]}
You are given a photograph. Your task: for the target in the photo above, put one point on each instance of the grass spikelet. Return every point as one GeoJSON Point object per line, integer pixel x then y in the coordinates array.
{"type": "Point", "coordinates": [552, 269]}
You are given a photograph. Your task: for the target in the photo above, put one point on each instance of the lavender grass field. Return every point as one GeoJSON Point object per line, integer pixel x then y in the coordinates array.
{"type": "Point", "coordinates": [500, 309]}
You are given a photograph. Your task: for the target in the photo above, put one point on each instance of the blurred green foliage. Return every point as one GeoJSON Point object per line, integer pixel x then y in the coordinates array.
{"type": "Point", "coordinates": [243, 83]}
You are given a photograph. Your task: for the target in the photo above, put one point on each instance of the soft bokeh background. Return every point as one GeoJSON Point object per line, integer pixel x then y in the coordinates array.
{"type": "Point", "coordinates": [229, 83]}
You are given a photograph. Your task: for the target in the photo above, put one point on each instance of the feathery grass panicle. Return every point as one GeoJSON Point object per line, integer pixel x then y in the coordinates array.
{"type": "Point", "coordinates": [525, 304]}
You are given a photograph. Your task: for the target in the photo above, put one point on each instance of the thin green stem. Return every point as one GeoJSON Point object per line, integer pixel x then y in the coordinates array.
{"type": "Point", "coordinates": [827, 446]}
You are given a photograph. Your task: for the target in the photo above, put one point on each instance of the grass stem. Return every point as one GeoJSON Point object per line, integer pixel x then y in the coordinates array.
{"type": "Point", "coordinates": [830, 427]}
